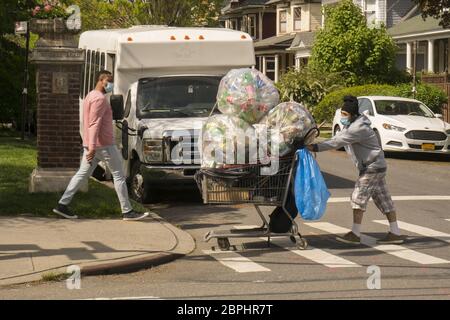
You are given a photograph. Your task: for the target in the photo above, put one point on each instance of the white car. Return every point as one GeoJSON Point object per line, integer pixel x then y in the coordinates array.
{"type": "Point", "coordinates": [403, 124]}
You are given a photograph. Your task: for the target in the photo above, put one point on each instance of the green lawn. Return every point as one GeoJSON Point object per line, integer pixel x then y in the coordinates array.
{"type": "Point", "coordinates": [17, 161]}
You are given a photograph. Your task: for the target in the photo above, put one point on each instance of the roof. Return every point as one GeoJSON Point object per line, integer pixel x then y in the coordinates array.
{"type": "Point", "coordinates": [109, 39]}
{"type": "Point", "coordinates": [416, 26]}
{"type": "Point", "coordinates": [283, 41]}
{"type": "Point", "coordinates": [304, 39]}
{"type": "Point", "coordinates": [243, 4]}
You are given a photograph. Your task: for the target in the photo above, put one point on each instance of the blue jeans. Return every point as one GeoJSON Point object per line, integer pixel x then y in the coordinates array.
{"type": "Point", "coordinates": [111, 156]}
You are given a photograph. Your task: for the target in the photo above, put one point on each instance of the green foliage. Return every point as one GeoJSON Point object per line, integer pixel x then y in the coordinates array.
{"type": "Point", "coordinates": [17, 161]}
{"type": "Point", "coordinates": [12, 11]}
{"type": "Point", "coordinates": [49, 9]}
{"type": "Point", "coordinates": [430, 95]}
{"type": "Point", "coordinates": [100, 14]}
{"type": "Point", "coordinates": [346, 43]}
{"type": "Point", "coordinates": [438, 9]}
{"type": "Point", "coordinates": [308, 86]}
{"type": "Point", "coordinates": [12, 55]}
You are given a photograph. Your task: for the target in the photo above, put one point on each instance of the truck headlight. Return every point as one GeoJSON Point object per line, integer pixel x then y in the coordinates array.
{"type": "Point", "coordinates": [388, 126]}
{"type": "Point", "coordinates": [152, 150]}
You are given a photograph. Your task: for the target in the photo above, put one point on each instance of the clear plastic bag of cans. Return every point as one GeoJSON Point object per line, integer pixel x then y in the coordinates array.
{"type": "Point", "coordinates": [247, 94]}
{"type": "Point", "coordinates": [289, 122]}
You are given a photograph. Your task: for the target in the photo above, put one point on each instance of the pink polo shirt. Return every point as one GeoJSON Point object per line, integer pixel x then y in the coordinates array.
{"type": "Point", "coordinates": [97, 121]}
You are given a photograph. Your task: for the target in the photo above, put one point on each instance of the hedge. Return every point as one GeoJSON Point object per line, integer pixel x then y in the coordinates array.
{"type": "Point", "coordinates": [430, 95]}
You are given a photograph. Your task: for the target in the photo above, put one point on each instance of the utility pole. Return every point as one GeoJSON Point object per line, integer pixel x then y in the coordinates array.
{"type": "Point", "coordinates": [414, 89]}
{"type": "Point", "coordinates": [25, 83]}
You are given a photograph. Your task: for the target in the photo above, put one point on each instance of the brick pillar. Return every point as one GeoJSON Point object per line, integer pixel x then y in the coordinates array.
{"type": "Point", "coordinates": [59, 63]}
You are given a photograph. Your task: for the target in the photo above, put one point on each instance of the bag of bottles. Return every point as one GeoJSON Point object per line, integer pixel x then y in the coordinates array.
{"type": "Point", "coordinates": [224, 138]}
{"type": "Point", "coordinates": [292, 123]}
{"type": "Point", "coordinates": [247, 94]}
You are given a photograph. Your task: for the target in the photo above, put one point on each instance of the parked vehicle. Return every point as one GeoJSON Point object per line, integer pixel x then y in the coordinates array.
{"type": "Point", "coordinates": [403, 125]}
{"type": "Point", "coordinates": [165, 85]}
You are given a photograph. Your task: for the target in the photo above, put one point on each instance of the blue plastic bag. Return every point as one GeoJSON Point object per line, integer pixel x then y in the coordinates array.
{"type": "Point", "coordinates": [311, 192]}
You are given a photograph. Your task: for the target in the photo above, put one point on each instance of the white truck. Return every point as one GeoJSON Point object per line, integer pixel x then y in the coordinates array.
{"type": "Point", "coordinates": [165, 85]}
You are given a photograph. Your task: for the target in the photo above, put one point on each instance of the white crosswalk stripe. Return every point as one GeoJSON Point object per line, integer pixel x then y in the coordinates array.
{"type": "Point", "coordinates": [447, 219]}
{"type": "Point", "coordinates": [396, 198]}
{"type": "Point", "coordinates": [236, 261]}
{"type": "Point", "coordinates": [395, 250]}
{"type": "Point", "coordinates": [427, 232]}
{"type": "Point", "coordinates": [317, 255]}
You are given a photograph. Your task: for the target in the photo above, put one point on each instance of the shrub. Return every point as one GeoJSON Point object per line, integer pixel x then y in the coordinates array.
{"type": "Point", "coordinates": [430, 95]}
{"type": "Point", "coordinates": [325, 110]}
{"type": "Point", "coordinates": [309, 87]}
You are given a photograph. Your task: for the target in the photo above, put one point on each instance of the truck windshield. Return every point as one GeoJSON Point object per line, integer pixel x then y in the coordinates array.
{"type": "Point", "coordinates": [177, 97]}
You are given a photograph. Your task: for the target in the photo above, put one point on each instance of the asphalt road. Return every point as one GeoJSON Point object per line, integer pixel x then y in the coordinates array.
{"type": "Point", "coordinates": [418, 269]}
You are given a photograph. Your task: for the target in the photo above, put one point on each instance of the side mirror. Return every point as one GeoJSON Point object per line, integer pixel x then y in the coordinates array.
{"type": "Point", "coordinates": [438, 115]}
{"type": "Point", "coordinates": [117, 106]}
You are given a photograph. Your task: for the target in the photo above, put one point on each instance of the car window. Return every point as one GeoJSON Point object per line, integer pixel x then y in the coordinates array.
{"type": "Point", "coordinates": [395, 108]}
{"type": "Point", "coordinates": [365, 105]}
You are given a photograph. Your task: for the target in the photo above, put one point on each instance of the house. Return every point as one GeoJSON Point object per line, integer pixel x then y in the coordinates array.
{"type": "Point", "coordinates": [432, 43]}
{"type": "Point", "coordinates": [251, 16]}
{"type": "Point", "coordinates": [284, 30]}
{"type": "Point", "coordinates": [296, 24]}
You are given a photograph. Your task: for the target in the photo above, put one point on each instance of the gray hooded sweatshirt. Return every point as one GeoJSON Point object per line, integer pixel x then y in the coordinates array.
{"type": "Point", "coordinates": [361, 143]}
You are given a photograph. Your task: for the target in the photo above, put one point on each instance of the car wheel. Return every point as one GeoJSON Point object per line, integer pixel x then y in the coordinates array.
{"type": "Point", "coordinates": [137, 187]}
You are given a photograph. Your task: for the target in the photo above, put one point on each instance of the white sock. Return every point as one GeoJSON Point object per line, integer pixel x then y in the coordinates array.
{"type": "Point", "coordinates": [394, 228]}
{"type": "Point", "coordinates": [356, 229]}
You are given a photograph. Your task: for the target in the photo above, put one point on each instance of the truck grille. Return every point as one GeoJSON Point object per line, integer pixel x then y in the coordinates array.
{"type": "Point", "coordinates": [182, 148]}
{"type": "Point", "coordinates": [426, 135]}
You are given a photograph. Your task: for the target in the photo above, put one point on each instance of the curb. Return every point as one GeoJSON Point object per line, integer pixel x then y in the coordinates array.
{"type": "Point", "coordinates": [130, 266]}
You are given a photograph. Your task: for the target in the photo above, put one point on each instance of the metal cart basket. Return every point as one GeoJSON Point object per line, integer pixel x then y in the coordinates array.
{"type": "Point", "coordinates": [250, 184]}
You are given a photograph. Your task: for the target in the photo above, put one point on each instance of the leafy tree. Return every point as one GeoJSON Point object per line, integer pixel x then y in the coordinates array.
{"type": "Point", "coordinates": [12, 55]}
{"type": "Point", "coordinates": [346, 43]}
{"type": "Point", "coordinates": [438, 9]}
{"type": "Point", "coordinates": [99, 14]}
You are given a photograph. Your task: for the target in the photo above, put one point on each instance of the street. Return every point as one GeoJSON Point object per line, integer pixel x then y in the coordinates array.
{"type": "Point", "coordinates": [418, 269]}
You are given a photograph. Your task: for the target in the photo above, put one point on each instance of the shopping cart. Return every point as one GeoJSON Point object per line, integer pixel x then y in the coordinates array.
{"type": "Point", "coordinates": [250, 184]}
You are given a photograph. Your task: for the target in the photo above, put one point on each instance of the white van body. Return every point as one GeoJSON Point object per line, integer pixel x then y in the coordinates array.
{"type": "Point", "coordinates": [155, 65]}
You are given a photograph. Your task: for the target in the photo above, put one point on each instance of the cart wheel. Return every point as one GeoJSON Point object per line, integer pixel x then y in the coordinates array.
{"type": "Point", "coordinates": [302, 244]}
{"type": "Point", "coordinates": [293, 239]}
{"type": "Point", "coordinates": [224, 244]}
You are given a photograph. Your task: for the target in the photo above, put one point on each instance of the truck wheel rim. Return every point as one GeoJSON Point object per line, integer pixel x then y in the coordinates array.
{"type": "Point", "coordinates": [138, 185]}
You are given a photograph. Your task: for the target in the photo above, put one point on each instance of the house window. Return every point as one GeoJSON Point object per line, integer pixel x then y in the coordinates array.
{"type": "Point", "coordinates": [251, 27]}
{"type": "Point", "coordinates": [270, 68]}
{"type": "Point", "coordinates": [283, 21]}
{"type": "Point", "coordinates": [233, 24]}
{"type": "Point", "coordinates": [370, 11]}
{"type": "Point", "coordinates": [297, 18]}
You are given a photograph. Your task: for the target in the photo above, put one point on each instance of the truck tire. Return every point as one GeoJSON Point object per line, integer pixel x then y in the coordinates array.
{"type": "Point", "coordinates": [137, 187]}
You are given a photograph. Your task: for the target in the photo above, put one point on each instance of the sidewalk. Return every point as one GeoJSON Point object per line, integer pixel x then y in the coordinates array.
{"type": "Point", "coordinates": [32, 247]}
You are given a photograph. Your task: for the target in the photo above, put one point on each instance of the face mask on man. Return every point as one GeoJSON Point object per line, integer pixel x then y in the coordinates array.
{"type": "Point", "coordinates": [346, 121]}
{"type": "Point", "coordinates": [109, 87]}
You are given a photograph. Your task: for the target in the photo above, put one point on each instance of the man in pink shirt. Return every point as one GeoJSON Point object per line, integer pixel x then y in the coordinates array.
{"type": "Point", "coordinates": [98, 144]}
